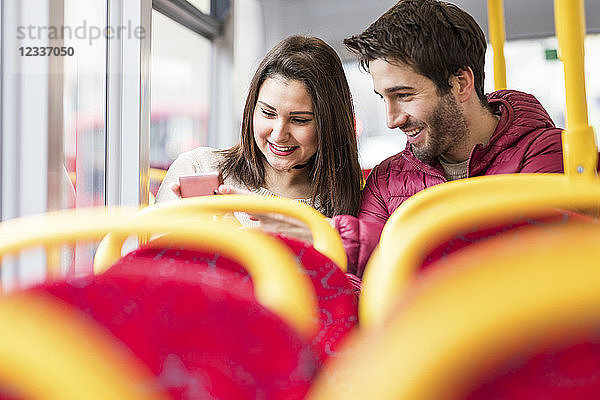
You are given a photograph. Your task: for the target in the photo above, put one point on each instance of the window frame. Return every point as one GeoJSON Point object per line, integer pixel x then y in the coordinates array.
{"type": "Point", "coordinates": [218, 28]}
{"type": "Point", "coordinates": [208, 25]}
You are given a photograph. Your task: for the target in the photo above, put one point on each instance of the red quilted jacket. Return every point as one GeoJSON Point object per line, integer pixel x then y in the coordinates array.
{"type": "Point", "coordinates": [525, 140]}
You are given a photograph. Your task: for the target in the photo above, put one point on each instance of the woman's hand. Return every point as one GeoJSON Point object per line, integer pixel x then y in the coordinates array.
{"type": "Point", "coordinates": [222, 189]}
{"type": "Point", "coordinates": [272, 222]}
{"type": "Point", "coordinates": [282, 224]}
{"type": "Point", "coordinates": [228, 189]}
{"type": "Point", "coordinates": [175, 188]}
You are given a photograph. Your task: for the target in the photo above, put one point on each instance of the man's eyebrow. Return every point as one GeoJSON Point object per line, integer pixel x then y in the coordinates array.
{"type": "Point", "coordinates": [267, 105]}
{"type": "Point", "coordinates": [397, 88]}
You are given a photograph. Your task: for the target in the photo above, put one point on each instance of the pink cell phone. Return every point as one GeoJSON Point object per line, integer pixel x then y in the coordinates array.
{"type": "Point", "coordinates": [200, 184]}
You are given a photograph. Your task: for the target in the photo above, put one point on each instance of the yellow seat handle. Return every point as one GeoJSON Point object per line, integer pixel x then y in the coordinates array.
{"type": "Point", "coordinates": [278, 281]}
{"type": "Point", "coordinates": [510, 295]}
{"type": "Point", "coordinates": [325, 238]}
{"type": "Point", "coordinates": [434, 215]}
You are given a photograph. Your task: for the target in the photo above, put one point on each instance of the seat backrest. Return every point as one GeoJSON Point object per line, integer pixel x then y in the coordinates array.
{"type": "Point", "coordinates": [198, 338]}
{"type": "Point", "coordinates": [478, 233]}
{"type": "Point", "coordinates": [563, 371]}
{"type": "Point", "coordinates": [507, 318]}
{"type": "Point", "coordinates": [436, 214]}
{"type": "Point", "coordinates": [49, 352]}
{"type": "Point", "coordinates": [335, 292]}
{"type": "Point", "coordinates": [337, 298]}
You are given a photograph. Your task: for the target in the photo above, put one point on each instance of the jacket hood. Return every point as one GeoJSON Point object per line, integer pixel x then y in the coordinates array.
{"type": "Point", "coordinates": [517, 109]}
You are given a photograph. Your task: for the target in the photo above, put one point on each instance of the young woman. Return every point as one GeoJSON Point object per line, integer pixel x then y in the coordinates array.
{"type": "Point", "coordinates": [297, 139]}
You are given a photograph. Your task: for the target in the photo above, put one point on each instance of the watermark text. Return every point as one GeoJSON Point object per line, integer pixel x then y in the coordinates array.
{"type": "Point", "coordinates": [81, 32]}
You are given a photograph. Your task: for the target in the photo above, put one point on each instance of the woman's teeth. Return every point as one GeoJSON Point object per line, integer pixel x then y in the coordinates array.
{"type": "Point", "coordinates": [282, 148]}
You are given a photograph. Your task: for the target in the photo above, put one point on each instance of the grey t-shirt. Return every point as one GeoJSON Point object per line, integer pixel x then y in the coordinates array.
{"type": "Point", "coordinates": [454, 171]}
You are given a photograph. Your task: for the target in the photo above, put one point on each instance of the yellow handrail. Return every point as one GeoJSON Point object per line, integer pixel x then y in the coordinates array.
{"type": "Point", "coordinates": [47, 351]}
{"type": "Point", "coordinates": [580, 153]}
{"type": "Point", "coordinates": [157, 174]}
{"type": "Point", "coordinates": [437, 213]}
{"type": "Point", "coordinates": [325, 238]}
{"type": "Point", "coordinates": [279, 284]}
{"type": "Point", "coordinates": [497, 37]}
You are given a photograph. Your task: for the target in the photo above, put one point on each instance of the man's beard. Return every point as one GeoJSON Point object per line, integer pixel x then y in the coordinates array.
{"type": "Point", "coordinates": [447, 129]}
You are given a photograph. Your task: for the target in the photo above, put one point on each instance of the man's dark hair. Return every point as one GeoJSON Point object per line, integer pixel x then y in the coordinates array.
{"type": "Point", "coordinates": [435, 38]}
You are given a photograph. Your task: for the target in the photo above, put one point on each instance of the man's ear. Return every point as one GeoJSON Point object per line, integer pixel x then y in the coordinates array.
{"type": "Point", "coordinates": [463, 84]}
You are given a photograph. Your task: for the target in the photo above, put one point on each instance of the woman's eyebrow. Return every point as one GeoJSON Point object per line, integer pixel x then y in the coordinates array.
{"type": "Point", "coordinates": [291, 112]}
{"type": "Point", "coordinates": [302, 113]}
{"type": "Point", "coordinates": [267, 105]}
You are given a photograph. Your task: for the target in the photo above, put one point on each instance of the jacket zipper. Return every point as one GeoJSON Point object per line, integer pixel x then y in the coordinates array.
{"type": "Point", "coordinates": [437, 173]}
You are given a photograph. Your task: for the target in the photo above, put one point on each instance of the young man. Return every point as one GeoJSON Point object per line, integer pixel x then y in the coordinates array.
{"type": "Point", "coordinates": [426, 59]}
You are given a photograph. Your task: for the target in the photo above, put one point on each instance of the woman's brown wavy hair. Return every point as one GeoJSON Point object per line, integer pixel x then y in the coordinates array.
{"type": "Point", "coordinates": [334, 170]}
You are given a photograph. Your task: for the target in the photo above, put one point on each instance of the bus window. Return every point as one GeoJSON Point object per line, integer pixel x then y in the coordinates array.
{"type": "Point", "coordinates": [84, 104]}
{"type": "Point", "coordinates": [180, 74]}
{"type": "Point", "coordinates": [543, 75]}
{"type": "Point", "coordinates": [202, 5]}
{"type": "Point", "coordinates": [376, 141]}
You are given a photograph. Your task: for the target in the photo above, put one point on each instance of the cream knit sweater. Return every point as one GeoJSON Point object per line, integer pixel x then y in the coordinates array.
{"type": "Point", "coordinates": [204, 160]}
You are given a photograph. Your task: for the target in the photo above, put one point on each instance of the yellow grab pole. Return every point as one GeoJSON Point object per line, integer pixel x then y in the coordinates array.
{"type": "Point", "coordinates": [497, 36]}
{"type": "Point", "coordinates": [579, 146]}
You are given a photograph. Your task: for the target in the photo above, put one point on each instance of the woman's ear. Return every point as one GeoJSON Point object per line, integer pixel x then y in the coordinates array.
{"type": "Point", "coordinates": [463, 84]}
